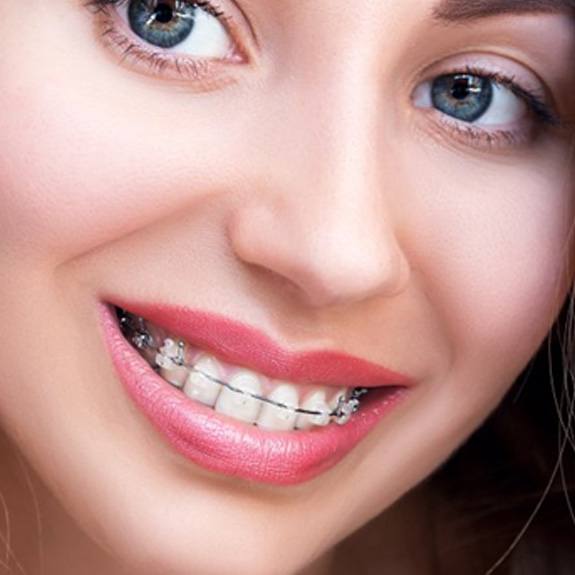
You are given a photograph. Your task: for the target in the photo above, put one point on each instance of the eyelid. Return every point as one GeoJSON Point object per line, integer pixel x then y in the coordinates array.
{"type": "Point", "coordinates": [499, 66]}
{"type": "Point", "coordinates": [523, 83]}
{"type": "Point", "coordinates": [170, 63]}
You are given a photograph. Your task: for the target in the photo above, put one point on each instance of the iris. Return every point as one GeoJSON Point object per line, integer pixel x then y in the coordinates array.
{"type": "Point", "coordinates": [163, 23]}
{"type": "Point", "coordinates": [465, 97]}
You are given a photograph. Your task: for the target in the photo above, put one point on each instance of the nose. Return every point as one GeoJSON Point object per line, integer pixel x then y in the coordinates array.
{"type": "Point", "coordinates": [333, 254]}
{"type": "Point", "coordinates": [321, 219]}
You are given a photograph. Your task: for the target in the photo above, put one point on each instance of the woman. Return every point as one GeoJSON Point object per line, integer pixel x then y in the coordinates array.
{"type": "Point", "coordinates": [268, 265]}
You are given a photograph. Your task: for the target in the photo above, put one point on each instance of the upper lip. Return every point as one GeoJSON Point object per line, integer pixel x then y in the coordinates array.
{"type": "Point", "coordinates": [244, 345]}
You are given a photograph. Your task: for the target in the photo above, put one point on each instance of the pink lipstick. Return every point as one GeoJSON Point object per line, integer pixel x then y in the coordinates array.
{"type": "Point", "coordinates": [240, 344]}
{"type": "Point", "coordinates": [221, 444]}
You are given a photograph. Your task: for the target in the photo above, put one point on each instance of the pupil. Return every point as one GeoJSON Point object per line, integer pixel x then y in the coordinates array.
{"type": "Point", "coordinates": [460, 89]}
{"type": "Point", "coordinates": [163, 23]}
{"type": "Point", "coordinates": [164, 13]}
{"type": "Point", "coordinates": [466, 97]}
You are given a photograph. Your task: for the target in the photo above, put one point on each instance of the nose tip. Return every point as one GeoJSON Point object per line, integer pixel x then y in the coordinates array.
{"type": "Point", "coordinates": [348, 274]}
{"type": "Point", "coordinates": [331, 262]}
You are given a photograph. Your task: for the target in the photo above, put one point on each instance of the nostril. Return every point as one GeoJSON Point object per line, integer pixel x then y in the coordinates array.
{"type": "Point", "coordinates": [329, 261]}
{"type": "Point", "coordinates": [354, 281]}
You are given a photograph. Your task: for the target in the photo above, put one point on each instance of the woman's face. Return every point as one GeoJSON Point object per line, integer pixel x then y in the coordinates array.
{"type": "Point", "coordinates": [385, 180]}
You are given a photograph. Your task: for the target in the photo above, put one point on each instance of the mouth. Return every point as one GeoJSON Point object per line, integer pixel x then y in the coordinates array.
{"type": "Point", "coordinates": [235, 391]}
{"type": "Point", "coordinates": [229, 399]}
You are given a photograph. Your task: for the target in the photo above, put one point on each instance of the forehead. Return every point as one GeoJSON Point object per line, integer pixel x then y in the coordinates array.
{"type": "Point", "coordinates": [454, 10]}
{"type": "Point", "coordinates": [392, 16]}
{"type": "Point", "coordinates": [449, 10]}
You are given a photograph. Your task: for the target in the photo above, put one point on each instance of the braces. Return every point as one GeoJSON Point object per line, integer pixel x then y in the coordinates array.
{"type": "Point", "coordinates": [172, 353]}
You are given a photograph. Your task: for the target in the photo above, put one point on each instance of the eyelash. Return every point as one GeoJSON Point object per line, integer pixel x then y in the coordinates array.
{"type": "Point", "coordinates": [543, 114]}
{"type": "Point", "coordinates": [196, 69]}
{"type": "Point", "coordinates": [211, 7]}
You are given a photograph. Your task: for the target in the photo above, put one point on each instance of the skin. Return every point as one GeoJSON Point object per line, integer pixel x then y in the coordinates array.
{"type": "Point", "coordinates": [301, 192]}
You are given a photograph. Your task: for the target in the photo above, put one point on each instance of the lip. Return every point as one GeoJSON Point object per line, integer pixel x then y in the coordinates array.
{"type": "Point", "coordinates": [221, 444]}
{"type": "Point", "coordinates": [243, 345]}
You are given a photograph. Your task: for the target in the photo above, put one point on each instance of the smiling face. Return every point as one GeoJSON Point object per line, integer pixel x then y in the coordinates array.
{"type": "Point", "coordinates": [376, 179]}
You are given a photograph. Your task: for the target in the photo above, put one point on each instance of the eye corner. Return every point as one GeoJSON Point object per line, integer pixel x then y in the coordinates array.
{"type": "Point", "coordinates": [175, 59]}
{"type": "Point", "coordinates": [247, 46]}
{"type": "Point", "coordinates": [421, 95]}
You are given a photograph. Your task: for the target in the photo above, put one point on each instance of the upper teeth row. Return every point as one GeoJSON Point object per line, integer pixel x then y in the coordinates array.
{"type": "Point", "coordinates": [241, 396]}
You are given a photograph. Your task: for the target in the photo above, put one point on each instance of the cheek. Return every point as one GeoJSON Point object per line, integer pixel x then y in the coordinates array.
{"type": "Point", "coordinates": [98, 152]}
{"type": "Point", "coordinates": [75, 178]}
{"type": "Point", "coordinates": [492, 248]}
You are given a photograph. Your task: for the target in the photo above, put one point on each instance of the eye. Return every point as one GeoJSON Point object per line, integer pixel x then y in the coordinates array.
{"type": "Point", "coordinates": [195, 28]}
{"type": "Point", "coordinates": [473, 99]}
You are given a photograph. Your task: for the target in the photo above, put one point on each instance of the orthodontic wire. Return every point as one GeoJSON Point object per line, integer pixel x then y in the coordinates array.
{"type": "Point", "coordinates": [142, 339]}
{"type": "Point", "coordinates": [337, 412]}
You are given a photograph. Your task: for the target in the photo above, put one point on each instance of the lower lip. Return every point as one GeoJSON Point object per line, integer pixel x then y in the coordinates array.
{"type": "Point", "coordinates": [223, 445]}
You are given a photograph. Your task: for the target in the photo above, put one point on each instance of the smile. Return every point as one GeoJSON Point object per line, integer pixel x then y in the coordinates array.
{"type": "Point", "coordinates": [232, 401]}
{"type": "Point", "coordinates": [238, 392]}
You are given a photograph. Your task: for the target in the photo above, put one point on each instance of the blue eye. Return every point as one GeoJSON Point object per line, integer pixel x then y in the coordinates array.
{"type": "Point", "coordinates": [196, 28]}
{"type": "Point", "coordinates": [162, 23]}
{"type": "Point", "coordinates": [463, 96]}
{"type": "Point", "coordinates": [485, 105]}
{"type": "Point", "coordinates": [479, 99]}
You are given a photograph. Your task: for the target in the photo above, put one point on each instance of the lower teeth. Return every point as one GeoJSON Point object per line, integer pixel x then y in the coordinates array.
{"type": "Point", "coordinates": [170, 355]}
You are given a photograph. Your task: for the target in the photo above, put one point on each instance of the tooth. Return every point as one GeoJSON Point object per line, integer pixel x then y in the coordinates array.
{"type": "Point", "coordinates": [175, 375]}
{"type": "Point", "coordinates": [314, 402]}
{"type": "Point", "coordinates": [335, 399]}
{"type": "Point", "coordinates": [277, 418]}
{"type": "Point", "coordinates": [238, 405]}
{"type": "Point", "coordinates": [150, 354]}
{"type": "Point", "coordinates": [200, 387]}
{"type": "Point", "coordinates": [157, 337]}
{"type": "Point", "coordinates": [169, 368]}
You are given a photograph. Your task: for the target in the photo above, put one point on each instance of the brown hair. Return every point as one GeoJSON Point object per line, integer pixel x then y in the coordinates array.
{"type": "Point", "coordinates": [505, 497]}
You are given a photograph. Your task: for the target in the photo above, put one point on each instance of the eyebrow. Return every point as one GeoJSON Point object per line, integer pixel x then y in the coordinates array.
{"type": "Point", "coordinates": [449, 11]}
